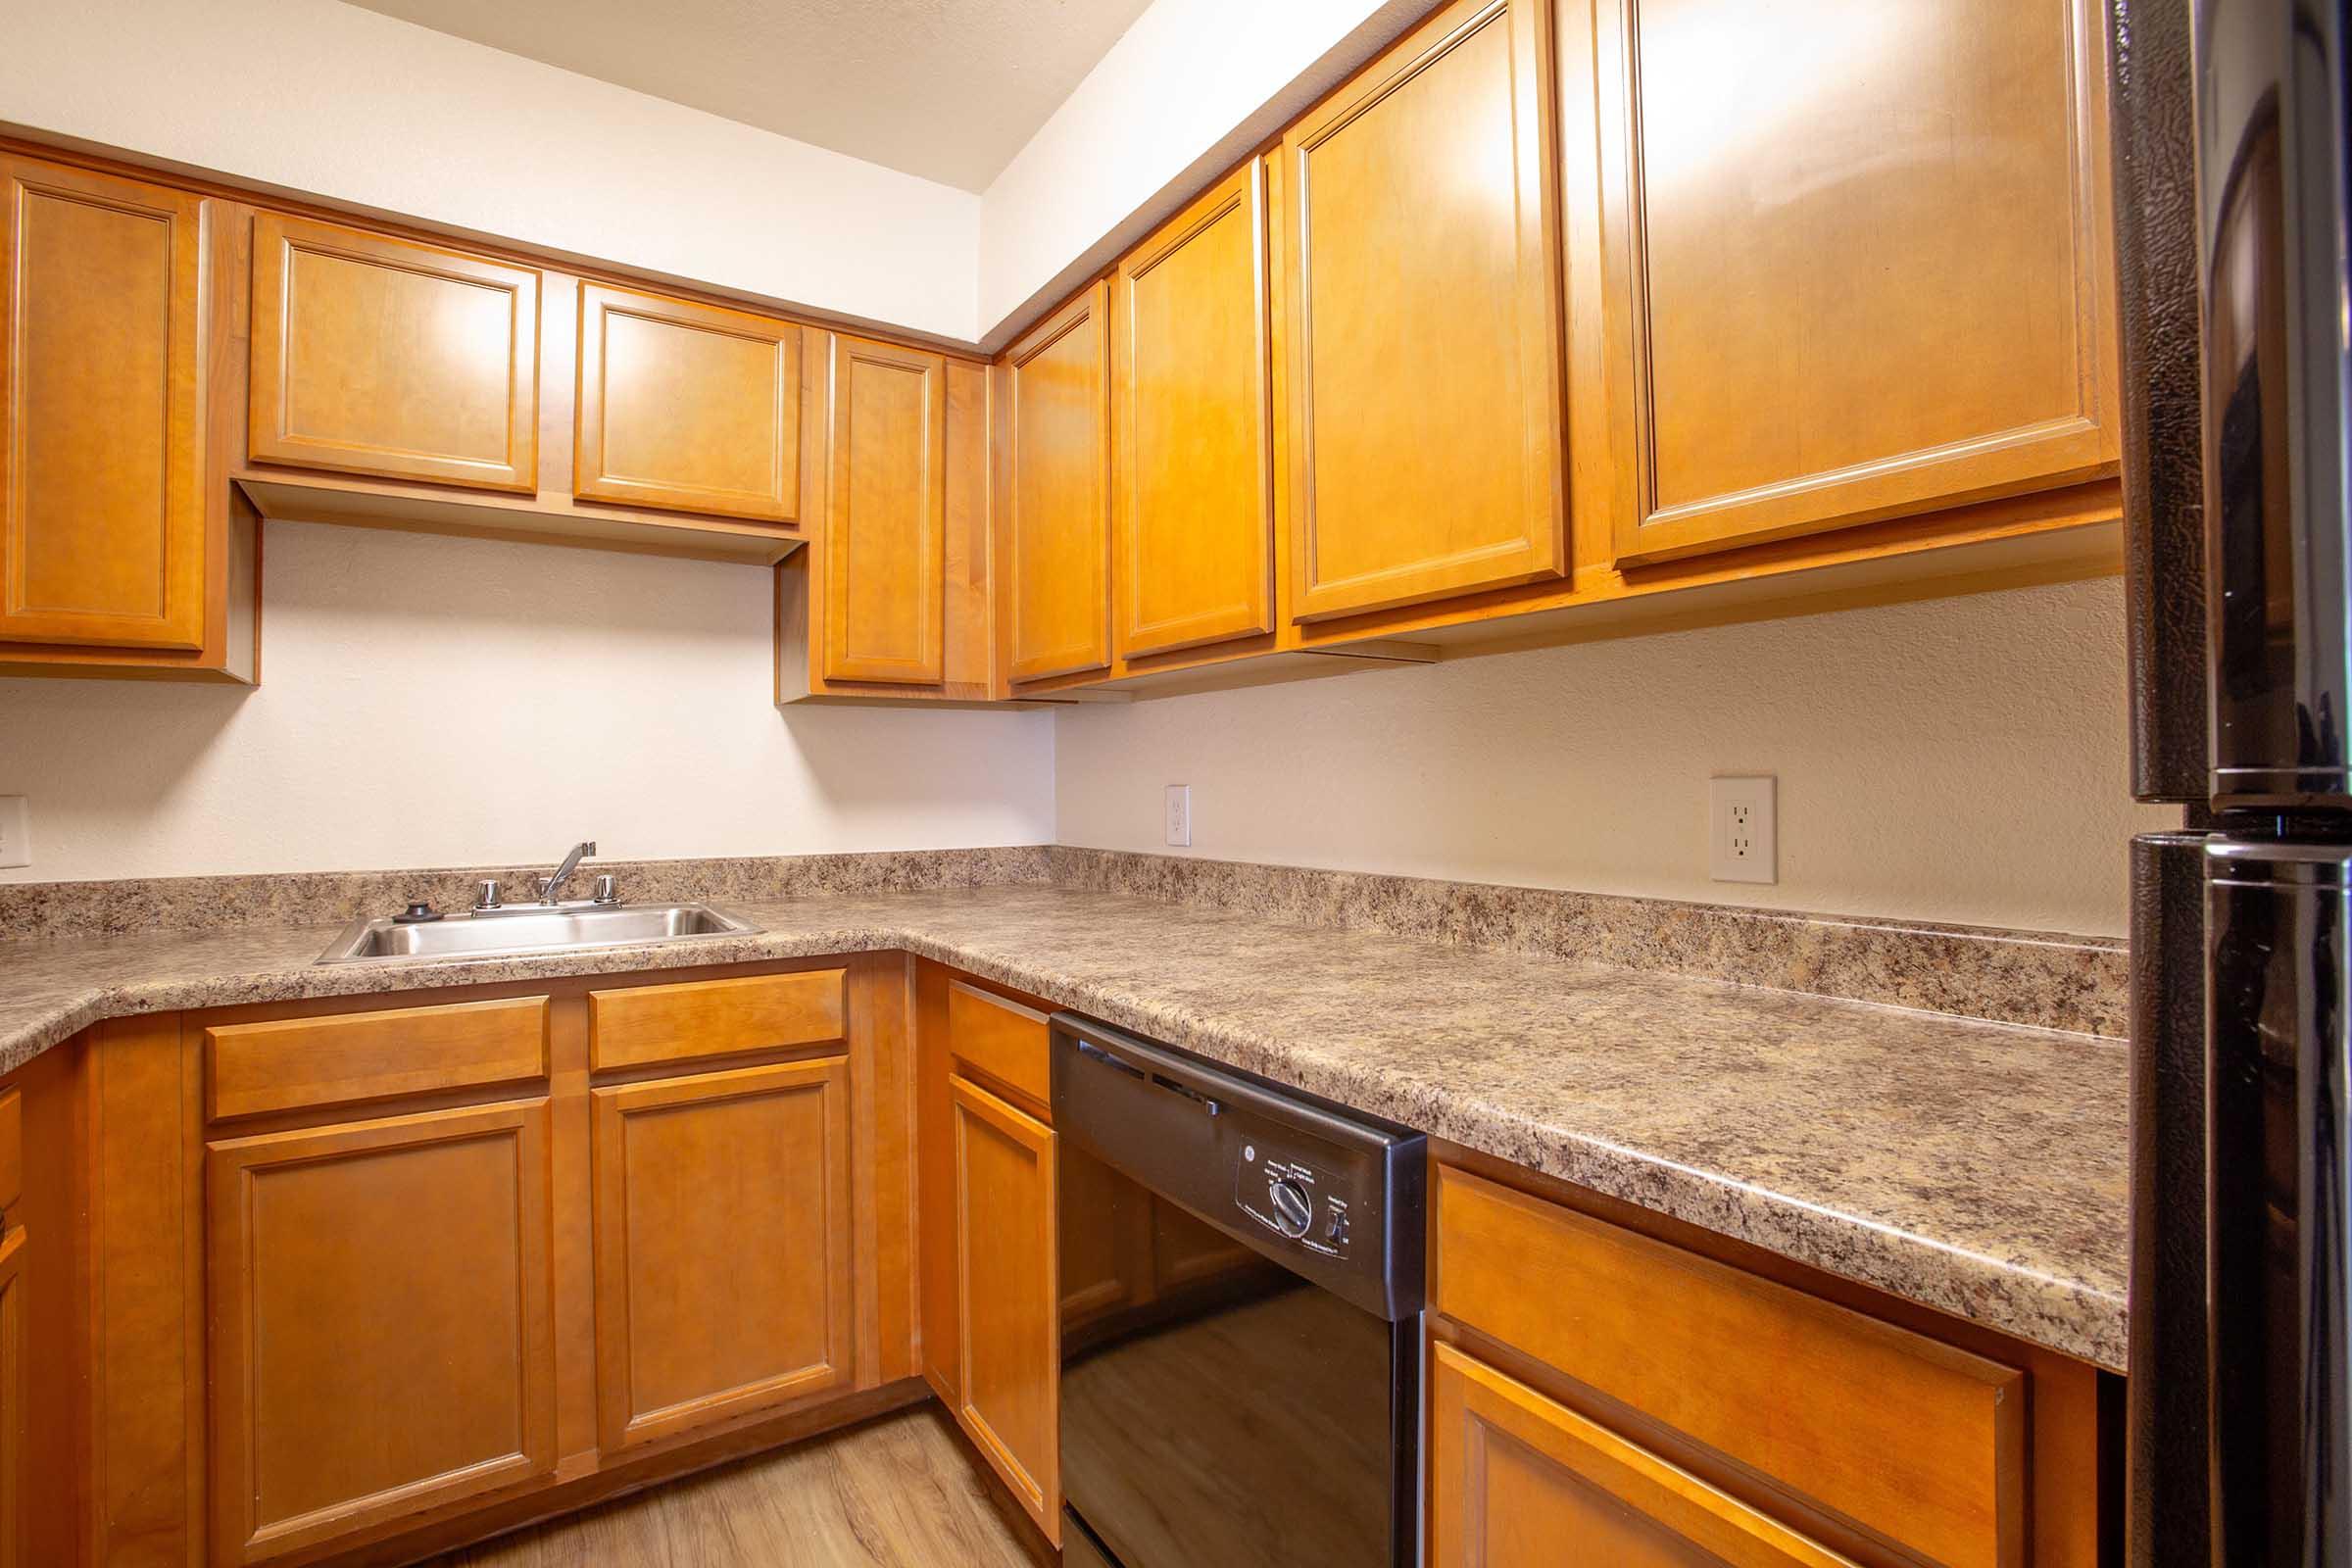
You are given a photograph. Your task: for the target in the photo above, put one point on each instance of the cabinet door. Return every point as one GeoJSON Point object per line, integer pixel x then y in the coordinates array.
{"type": "Point", "coordinates": [1870, 255]}
{"type": "Point", "coordinates": [1193, 499]}
{"type": "Point", "coordinates": [1054, 505]}
{"type": "Point", "coordinates": [687, 407]}
{"type": "Point", "coordinates": [1007, 1291]}
{"type": "Point", "coordinates": [13, 1396]}
{"type": "Point", "coordinates": [722, 1246]}
{"type": "Point", "coordinates": [102, 513]}
{"type": "Point", "coordinates": [382, 1331]}
{"type": "Point", "coordinates": [886, 518]}
{"type": "Point", "coordinates": [1518, 1480]}
{"type": "Point", "coordinates": [376, 356]}
{"type": "Point", "coordinates": [1424, 314]}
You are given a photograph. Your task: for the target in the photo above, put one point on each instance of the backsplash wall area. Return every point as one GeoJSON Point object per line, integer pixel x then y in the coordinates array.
{"type": "Point", "coordinates": [433, 701]}
{"type": "Point", "coordinates": [1957, 760]}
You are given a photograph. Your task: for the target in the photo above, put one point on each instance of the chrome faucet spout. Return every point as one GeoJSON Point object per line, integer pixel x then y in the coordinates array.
{"type": "Point", "coordinates": [551, 888]}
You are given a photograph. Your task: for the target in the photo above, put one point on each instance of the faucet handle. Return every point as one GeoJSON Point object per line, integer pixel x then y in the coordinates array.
{"type": "Point", "coordinates": [547, 890]}
{"type": "Point", "coordinates": [608, 891]}
{"type": "Point", "coordinates": [486, 894]}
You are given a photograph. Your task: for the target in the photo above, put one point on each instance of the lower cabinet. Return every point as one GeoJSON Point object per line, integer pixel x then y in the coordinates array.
{"type": "Point", "coordinates": [1010, 1367]}
{"type": "Point", "coordinates": [722, 1246]}
{"type": "Point", "coordinates": [1519, 1481]}
{"type": "Point", "coordinates": [13, 1393]}
{"type": "Point", "coordinates": [382, 1322]}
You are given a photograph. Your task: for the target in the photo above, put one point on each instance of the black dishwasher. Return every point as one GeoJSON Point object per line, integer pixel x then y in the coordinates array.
{"type": "Point", "coordinates": [1240, 1316]}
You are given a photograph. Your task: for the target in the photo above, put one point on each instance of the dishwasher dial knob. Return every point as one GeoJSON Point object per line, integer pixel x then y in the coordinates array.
{"type": "Point", "coordinates": [1293, 1213]}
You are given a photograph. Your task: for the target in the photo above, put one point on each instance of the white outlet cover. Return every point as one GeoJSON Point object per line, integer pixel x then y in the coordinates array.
{"type": "Point", "coordinates": [1743, 839]}
{"type": "Point", "coordinates": [15, 831]}
{"type": "Point", "coordinates": [1180, 814]}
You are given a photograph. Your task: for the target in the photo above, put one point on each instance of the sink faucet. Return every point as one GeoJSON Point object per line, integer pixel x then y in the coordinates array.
{"type": "Point", "coordinates": [551, 886]}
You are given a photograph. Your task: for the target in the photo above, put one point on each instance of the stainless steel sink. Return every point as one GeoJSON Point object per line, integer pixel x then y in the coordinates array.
{"type": "Point", "coordinates": [532, 928]}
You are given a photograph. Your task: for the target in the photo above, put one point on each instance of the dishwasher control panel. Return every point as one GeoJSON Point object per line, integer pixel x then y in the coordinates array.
{"type": "Point", "coordinates": [1289, 1197]}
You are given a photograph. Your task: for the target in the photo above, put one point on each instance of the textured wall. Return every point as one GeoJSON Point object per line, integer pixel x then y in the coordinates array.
{"type": "Point", "coordinates": [430, 701]}
{"type": "Point", "coordinates": [1955, 760]}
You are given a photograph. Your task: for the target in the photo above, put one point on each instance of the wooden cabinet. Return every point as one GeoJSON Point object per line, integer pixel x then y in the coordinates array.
{"type": "Point", "coordinates": [1194, 488]}
{"type": "Point", "coordinates": [1052, 518]}
{"type": "Point", "coordinates": [15, 1384]}
{"type": "Point", "coordinates": [103, 523]}
{"type": "Point", "coordinates": [377, 355]}
{"type": "Point", "coordinates": [382, 1322]}
{"type": "Point", "coordinates": [1868, 255]}
{"type": "Point", "coordinates": [885, 542]}
{"type": "Point", "coordinates": [1008, 1294]}
{"type": "Point", "coordinates": [687, 407]}
{"type": "Point", "coordinates": [1423, 305]}
{"type": "Point", "coordinates": [722, 1246]}
{"type": "Point", "coordinates": [1519, 1481]}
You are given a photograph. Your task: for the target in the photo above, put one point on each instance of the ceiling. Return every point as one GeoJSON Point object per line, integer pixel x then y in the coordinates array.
{"type": "Point", "coordinates": [946, 89]}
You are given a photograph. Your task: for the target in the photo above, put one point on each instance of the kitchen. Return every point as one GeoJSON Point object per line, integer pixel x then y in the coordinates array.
{"type": "Point", "coordinates": [1166, 782]}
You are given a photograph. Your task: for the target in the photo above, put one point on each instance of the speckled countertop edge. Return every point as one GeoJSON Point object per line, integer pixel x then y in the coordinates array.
{"type": "Point", "coordinates": [1514, 1061]}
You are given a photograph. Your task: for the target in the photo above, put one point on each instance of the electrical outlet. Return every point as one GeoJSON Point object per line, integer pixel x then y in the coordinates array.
{"type": "Point", "coordinates": [1180, 814]}
{"type": "Point", "coordinates": [16, 830]}
{"type": "Point", "coordinates": [1741, 840]}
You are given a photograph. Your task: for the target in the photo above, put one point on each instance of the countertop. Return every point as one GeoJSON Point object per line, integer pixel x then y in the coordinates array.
{"type": "Point", "coordinates": [1977, 1168]}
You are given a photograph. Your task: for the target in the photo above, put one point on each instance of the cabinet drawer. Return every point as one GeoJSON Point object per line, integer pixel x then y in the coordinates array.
{"type": "Point", "coordinates": [1897, 1431]}
{"type": "Point", "coordinates": [1002, 1039]}
{"type": "Point", "coordinates": [308, 1064]}
{"type": "Point", "coordinates": [702, 1018]}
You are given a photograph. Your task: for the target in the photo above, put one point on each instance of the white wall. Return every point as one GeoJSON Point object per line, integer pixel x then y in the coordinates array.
{"type": "Point", "coordinates": [431, 701]}
{"type": "Point", "coordinates": [1191, 86]}
{"type": "Point", "coordinates": [328, 98]}
{"type": "Point", "coordinates": [1958, 759]}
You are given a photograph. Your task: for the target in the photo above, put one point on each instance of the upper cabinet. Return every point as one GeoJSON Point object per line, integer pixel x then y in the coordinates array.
{"type": "Point", "coordinates": [687, 407]}
{"type": "Point", "coordinates": [1052, 522]}
{"type": "Point", "coordinates": [1194, 489]}
{"type": "Point", "coordinates": [1866, 252]}
{"type": "Point", "coordinates": [1423, 306]}
{"type": "Point", "coordinates": [376, 356]}
{"type": "Point", "coordinates": [102, 510]}
{"type": "Point", "coordinates": [886, 513]}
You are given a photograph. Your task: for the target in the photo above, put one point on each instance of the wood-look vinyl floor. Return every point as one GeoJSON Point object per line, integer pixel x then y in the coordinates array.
{"type": "Point", "coordinates": [896, 1492]}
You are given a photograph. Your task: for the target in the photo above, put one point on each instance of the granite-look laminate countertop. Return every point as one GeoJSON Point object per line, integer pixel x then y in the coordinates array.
{"type": "Point", "coordinates": [1977, 1168]}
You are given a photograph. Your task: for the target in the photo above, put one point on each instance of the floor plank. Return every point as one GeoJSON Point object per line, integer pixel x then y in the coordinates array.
{"type": "Point", "coordinates": [901, 1492]}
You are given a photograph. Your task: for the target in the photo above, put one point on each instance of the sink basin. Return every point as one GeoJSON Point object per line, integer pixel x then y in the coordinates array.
{"type": "Point", "coordinates": [532, 928]}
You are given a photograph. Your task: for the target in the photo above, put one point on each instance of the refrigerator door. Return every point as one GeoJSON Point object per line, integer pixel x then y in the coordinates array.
{"type": "Point", "coordinates": [2280, 1292]}
{"type": "Point", "coordinates": [2272, 170]}
{"type": "Point", "coordinates": [2168, 1522]}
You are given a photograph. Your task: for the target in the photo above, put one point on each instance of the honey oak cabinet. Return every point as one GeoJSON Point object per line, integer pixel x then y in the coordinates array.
{"type": "Point", "coordinates": [381, 356]}
{"type": "Point", "coordinates": [1422, 296]}
{"type": "Point", "coordinates": [687, 407]}
{"type": "Point", "coordinates": [723, 1246]}
{"type": "Point", "coordinates": [1867, 260]}
{"type": "Point", "coordinates": [1052, 498]}
{"type": "Point", "coordinates": [116, 550]}
{"type": "Point", "coordinates": [382, 1321]}
{"type": "Point", "coordinates": [1194, 491]}
{"type": "Point", "coordinates": [15, 1384]}
{"type": "Point", "coordinates": [1008, 1294]}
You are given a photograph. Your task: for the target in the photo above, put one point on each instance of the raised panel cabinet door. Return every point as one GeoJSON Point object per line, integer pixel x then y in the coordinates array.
{"type": "Point", "coordinates": [102, 512]}
{"type": "Point", "coordinates": [1194, 486]}
{"type": "Point", "coordinates": [382, 1322]}
{"type": "Point", "coordinates": [1518, 1480]}
{"type": "Point", "coordinates": [722, 1246]}
{"type": "Point", "coordinates": [1053, 504]}
{"type": "Point", "coordinates": [379, 356]}
{"type": "Point", "coordinates": [1007, 1292]}
{"type": "Point", "coordinates": [1423, 305]}
{"type": "Point", "coordinates": [886, 519]}
{"type": "Point", "coordinates": [14, 1397]}
{"type": "Point", "coordinates": [687, 407]}
{"type": "Point", "coordinates": [1870, 260]}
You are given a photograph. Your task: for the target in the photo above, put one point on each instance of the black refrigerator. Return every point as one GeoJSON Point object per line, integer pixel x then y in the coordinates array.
{"type": "Point", "coordinates": [2230, 163]}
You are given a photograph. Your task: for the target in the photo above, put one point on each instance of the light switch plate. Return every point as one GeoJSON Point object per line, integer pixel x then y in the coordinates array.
{"type": "Point", "coordinates": [1180, 814]}
{"type": "Point", "coordinates": [15, 831]}
{"type": "Point", "coordinates": [1743, 844]}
